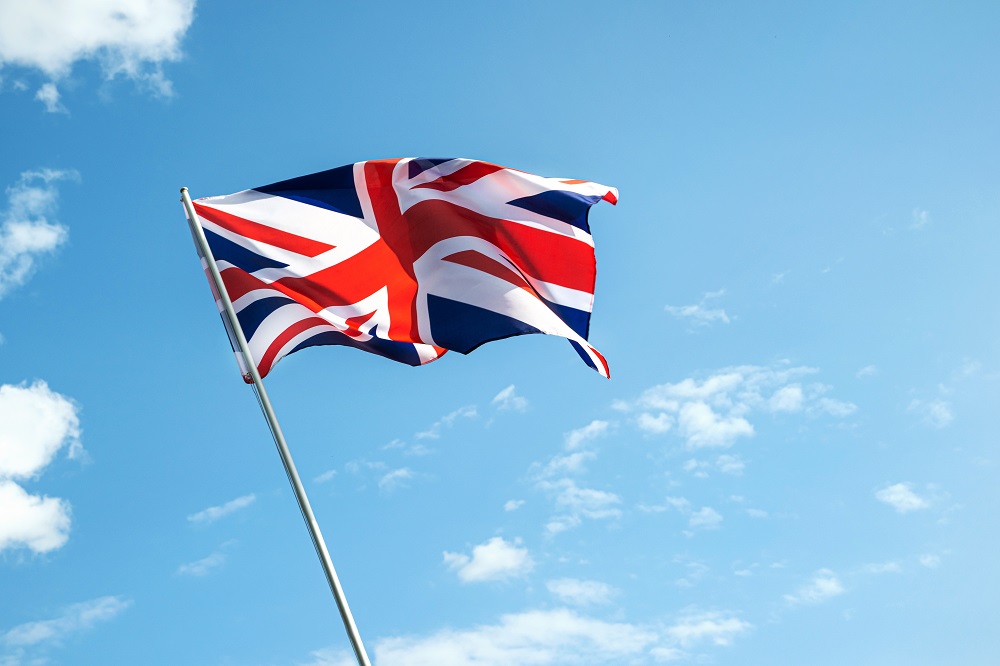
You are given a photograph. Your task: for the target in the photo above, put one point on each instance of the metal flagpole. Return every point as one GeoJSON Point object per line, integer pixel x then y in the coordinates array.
{"type": "Point", "coordinates": [279, 438]}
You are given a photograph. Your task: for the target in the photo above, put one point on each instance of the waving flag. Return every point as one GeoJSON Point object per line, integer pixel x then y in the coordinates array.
{"type": "Point", "coordinates": [407, 258]}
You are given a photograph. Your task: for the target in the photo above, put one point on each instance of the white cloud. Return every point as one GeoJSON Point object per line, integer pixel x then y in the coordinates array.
{"type": "Point", "coordinates": [574, 504]}
{"type": "Point", "coordinates": [592, 430]}
{"type": "Point", "coordinates": [696, 571]}
{"type": "Point", "coordinates": [203, 566]}
{"type": "Point", "coordinates": [533, 638]}
{"type": "Point", "coordinates": [513, 505]}
{"type": "Point", "coordinates": [824, 586]}
{"type": "Point", "coordinates": [213, 513]}
{"type": "Point", "coordinates": [921, 218]}
{"type": "Point", "coordinates": [705, 518]}
{"type": "Point", "coordinates": [716, 628]}
{"type": "Point", "coordinates": [556, 637]}
{"type": "Point", "coordinates": [571, 463]}
{"type": "Point", "coordinates": [696, 467]}
{"type": "Point", "coordinates": [757, 513]}
{"type": "Point", "coordinates": [882, 568]}
{"type": "Point", "coordinates": [331, 656]}
{"type": "Point", "coordinates": [497, 559]}
{"type": "Point", "coordinates": [326, 476]}
{"type": "Point", "coordinates": [933, 413]}
{"type": "Point", "coordinates": [700, 314]}
{"type": "Point", "coordinates": [581, 592]}
{"type": "Point", "coordinates": [930, 561]}
{"type": "Point", "coordinates": [39, 523]}
{"type": "Point", "coordinates": [75, 618]}
{"type": "Point", "coordinates": [128, 38]}
{"type": "Point", "coordinates": [836, 407]}
{"type": "Point", "coordinates": [655, 425]}
{"type": "Point", "coordinates": [679, 503]}
{"type": "Point", "coordinates": [508, 399]}
{"type": "Point", "coordinates": [901, 497]}
{"type": "Point", "coordinates": [35, 423]}
{"type": "Point", "coordinates": [786, 399]}
{"type": "Point", "coordinates": [407, 449]}
{"type": "Point", "coordinates": [48, 95]}
{"type": "Point", "coordinates": [733, 465]}
{"type": "Point", "coordinates": [867, 371]}
{"type": "Point", "coordinates": [447, 421]}
{"type": "Point", "coordinates": [703, 427]}
{"type": "Point", "coordinates": [26, 232]}
{"type": "Point", "coordinates": [714, 411]}
{"type": "Point", "coordinates": [394, 479]}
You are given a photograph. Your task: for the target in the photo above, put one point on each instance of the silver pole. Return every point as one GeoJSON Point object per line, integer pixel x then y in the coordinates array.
{"type": "Point", "coordinates": [279, 438]}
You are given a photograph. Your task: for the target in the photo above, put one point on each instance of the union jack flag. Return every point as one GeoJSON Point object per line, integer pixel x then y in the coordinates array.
{"type": "Point", "coordinates": [406, 258]}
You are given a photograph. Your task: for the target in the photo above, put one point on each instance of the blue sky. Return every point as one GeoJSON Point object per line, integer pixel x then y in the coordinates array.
{"type": "Point", "coordinates": [794, 461]}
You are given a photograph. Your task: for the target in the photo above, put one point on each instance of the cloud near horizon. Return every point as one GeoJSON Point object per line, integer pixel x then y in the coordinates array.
{"type": "Point", "coordinates": [555, 637]}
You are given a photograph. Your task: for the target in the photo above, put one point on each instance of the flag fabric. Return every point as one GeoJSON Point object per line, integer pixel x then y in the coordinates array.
{"type": "Point", "coordinates": [406, 258]}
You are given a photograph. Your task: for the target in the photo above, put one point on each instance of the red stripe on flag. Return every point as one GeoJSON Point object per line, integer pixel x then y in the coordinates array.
{"type": "Point", "coordinates": [263, 233]}
{"type": "Point", "coordinates": [267, 361]}
{"type": "Point", "coordinates": [464, 176]}
{"type": "Point", "coordinates": [541, 254]}
{"type": "Point", "coordinates": [604, 362]}
{"type": "Point", "coordinates": [239, 283]}
{"type": "Point", "coordinates": [481, 262]}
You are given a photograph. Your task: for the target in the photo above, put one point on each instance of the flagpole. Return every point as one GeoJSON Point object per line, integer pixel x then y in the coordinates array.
{"type": "Point", "coordinates": [279, 439]}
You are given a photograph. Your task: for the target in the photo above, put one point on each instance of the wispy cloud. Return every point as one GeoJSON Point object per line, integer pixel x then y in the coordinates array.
{"type": "Point", "coordinates": [714, 627]}
{"type": "Point", "coordinates": [581, 592]}
{"type": "Point", "coordinates": [73, 619]}
{"type": "Point", "coordinates": [732, 465]}
{"type": "Point", "coordinates": [204, 566]}
{"type": "Point", "coordinates": [49, 96]}
{"type": "Point", "coordinates": [932, 413]}
{"type": "Point", "coordinates": [128, 38]}
{"type": "Point", "coordinates": [407, 449]}
{"type": "Point", "coordinates": [929, 560]}
{"type": "Point", "coordinates": [447, 421]}
{"type": "Point", "coordinates": [508, 399]}
{"type": "Point", "coordinates": [714, 412]}
{"type": "Point", "coordinates": [921, 218]}
{"type": "Point", "coordinates": [882, 568]}
{"type": "Point", "coordinates": [867, 371]}
{"type": "Point", "coordinates": [394, 479]}
{"type": "Point", "coordinates": [592, 430]}
{"type": "Point", "coordinates": [494, 560]}
{"type": "Point", "coordinates": [531, 638]}
{"type": "Point", "coordinates": [700, 314]}
{"type": "Point", "coordinates": [326, 476]}
{"type": "Point", "coordinates": [553, 637]}
{"type": "Point", "coordinates": [574, 503]}
{"type": "Point", "coordinates": [513, 505]}
{"type": "Point", "coordinates": [824, 586]}
{"type": "Point", "coordinates": [901, 497]}
{"type": "Point", "coordinates": [28, 229]}
{"type": "Point", "coordinates": [213, 513]}
{"type": "Point", "coordinates": [705, 518]}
